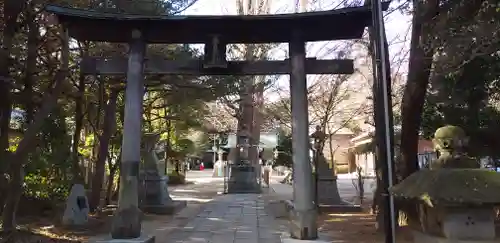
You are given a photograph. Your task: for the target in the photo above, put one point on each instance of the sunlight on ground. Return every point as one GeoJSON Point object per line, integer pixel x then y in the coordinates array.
{"type": "Point", "coordinates": [46, 231]}
{"type": "Point", "coordinates": [215, 219]}
{"type": "Point", "coordinates": [185, 190]}
{"type": "Point", "coordinates": [343, 214]}
{"type": "Point", "coordinates": [190, 199]}
{"type": "Point", "coordinates": [361, 216]}
{"type": "Point", "coordinates": [196, 239]}
{"type": "Point", "coordinates": [205, 180]}
{"type": "Point", "coordinates": [335, 220]}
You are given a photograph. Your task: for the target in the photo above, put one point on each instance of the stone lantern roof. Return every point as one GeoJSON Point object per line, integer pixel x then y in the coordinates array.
{"type": "Point", "coordinates": [451, 187]}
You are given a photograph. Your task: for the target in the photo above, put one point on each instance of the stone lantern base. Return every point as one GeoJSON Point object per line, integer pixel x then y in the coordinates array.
{"type": "Point", "coordinates": [456, 225]}
{"type": "Point", "coordinates": [157, 199]}
{"type": "Point", "coordinates": [419, 237]}
{"type": "Point", "coordinates": [243, 179]}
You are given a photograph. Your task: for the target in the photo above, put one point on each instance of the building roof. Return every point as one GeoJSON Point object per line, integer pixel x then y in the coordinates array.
{"type": "Point", "coordinates": [337, 24]}
{"type": "Point", "coordinates": [268, 140]}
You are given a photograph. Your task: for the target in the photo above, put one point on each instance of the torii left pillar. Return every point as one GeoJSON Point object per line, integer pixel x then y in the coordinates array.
{"type": "Point", "coordinates": [303, 221]}
{"type": "Point", "coordinates": [127, 218]}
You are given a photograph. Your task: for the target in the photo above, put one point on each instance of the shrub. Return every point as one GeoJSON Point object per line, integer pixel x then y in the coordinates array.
{"type": "Point", "coordinates": [176, 179]}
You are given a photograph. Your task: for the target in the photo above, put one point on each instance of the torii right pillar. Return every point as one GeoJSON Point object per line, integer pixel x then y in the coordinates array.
{"type": "Point", "coordinates": [303, 221]}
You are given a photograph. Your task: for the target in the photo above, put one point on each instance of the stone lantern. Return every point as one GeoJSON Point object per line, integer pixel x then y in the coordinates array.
{"type": "Point", "coordinates": [455, 198]}
{"type": "Point", "coordinates": [242, 173]}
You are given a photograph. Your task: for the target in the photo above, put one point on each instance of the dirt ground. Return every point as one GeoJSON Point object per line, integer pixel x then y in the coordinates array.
{"type": "Point", "coordinates": [48, 230]}
{"type": "Point", "coordinates": [356, 227]}
{"type": "Point", "coordinates": [360, 228]}
{"type": "Point", "coordinates": [39, 226]}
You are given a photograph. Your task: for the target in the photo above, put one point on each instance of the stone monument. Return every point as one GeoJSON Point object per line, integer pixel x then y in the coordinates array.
{"type": "Point", "coordinates": [219, 169]}
{"type": "Point", "coordinates": [77, 207]}
{"type": "Point", "coordinates": [326, 191]}
{"type": "Point", "coordinates": [455, 198]}
{"type": "Point", "coordinates": [155, 197]}
{"type": "Point", "coordinates": [219, 165]}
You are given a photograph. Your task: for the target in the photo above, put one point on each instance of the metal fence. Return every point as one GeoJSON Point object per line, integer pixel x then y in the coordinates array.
{"type": "Point", "coordinates": [425, 159]}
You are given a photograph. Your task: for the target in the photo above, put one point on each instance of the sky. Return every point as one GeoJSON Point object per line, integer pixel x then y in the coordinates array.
{"type": "Point", "coordinates": [396, 25]}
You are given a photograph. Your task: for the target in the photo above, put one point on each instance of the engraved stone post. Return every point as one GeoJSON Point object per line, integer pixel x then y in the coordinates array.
{"type": "Point", "coordinates": [303, 225]}
{"type": "Point", "coordinates": [127, 218]}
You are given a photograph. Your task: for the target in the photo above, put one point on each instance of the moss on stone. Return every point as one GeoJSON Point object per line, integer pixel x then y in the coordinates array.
{"type": "Point", "coordinates": [472, 187]}
{"type": "Point", "coordinates": [450, 161]}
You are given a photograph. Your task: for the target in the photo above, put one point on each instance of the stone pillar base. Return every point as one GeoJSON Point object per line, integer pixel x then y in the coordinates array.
{"type": "Point", "coordinates": [303, 225]}
{"type": "Point", "coordinates": [169, 208]}
{"type": "Point", "coordinates": [329, 200]}
{"type": "Point", "coordinates": [156, 191]}
{"type": "Point", "coordinates": [328, 192]}
{"type": "Point", "coordinates": [322, 238]}
{"type": "Point", "coordinates": [142, 239]}
{"type": "Point", "coordinates": [243, 179]}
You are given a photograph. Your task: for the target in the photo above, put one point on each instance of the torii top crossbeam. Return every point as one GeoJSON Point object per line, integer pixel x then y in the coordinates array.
{"type": "Point", "coordinates": [338, 24]}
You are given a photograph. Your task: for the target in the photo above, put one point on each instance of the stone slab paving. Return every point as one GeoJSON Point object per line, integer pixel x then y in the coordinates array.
{"type": "Point", "coordinates": [232, 218]}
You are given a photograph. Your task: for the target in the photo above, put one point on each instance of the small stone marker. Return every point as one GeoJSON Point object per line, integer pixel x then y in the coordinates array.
{"type": "Point", "coordinates": [77, 207]}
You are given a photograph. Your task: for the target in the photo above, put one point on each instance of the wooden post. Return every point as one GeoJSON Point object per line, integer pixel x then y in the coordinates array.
{"type": "Point", "coordinates": [127, 218]}
{"type": "Point", "coordinates": [303, 225]}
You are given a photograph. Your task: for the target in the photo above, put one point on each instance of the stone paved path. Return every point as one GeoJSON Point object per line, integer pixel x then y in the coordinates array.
{"type": "Point", "coordinates": [232, 218]}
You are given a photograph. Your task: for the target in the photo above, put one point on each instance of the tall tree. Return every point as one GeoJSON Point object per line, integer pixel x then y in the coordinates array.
{"type": "Point", "coordinates": [421, 53]}
{"type": "Point", "coordinates": [251, 89]}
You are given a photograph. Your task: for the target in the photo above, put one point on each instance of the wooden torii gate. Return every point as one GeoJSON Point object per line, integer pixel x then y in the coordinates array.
{"type": "Point", "coordinates": [215, 32]}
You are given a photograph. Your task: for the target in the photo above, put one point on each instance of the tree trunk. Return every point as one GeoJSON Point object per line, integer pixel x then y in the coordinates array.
{"type": "Point", "coordinates": [96, 130]}
{"type": "Point", "coordinates": [257, 120]}
{"type": "Point", "coordinates": [25, 147]}
{"type": "Point", "coordinates": [245, 119]}
{"type": "Point", "coordinates": [100, 165]}
{"type": "Point", "coordinates": [27, 143]}
{"type": "Point", "coordinates": [115, 194]}
{"type": "Point", "coordinates": [113, 168]}
{"type": "Point", "coordinates": [11, 11]}
{"type": "Point", "coordinates": [79, 116]}
{"type": "Point", "coordinates": [245, 116]}
{"type": "Point", "coordinates": [421, 59]}
{"type": "Point", "coordinates": [332, 153]}
{"type": "Point", "coordinates": [416, 86]}
{"type": "Point", "coordinates": [31, 66]}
